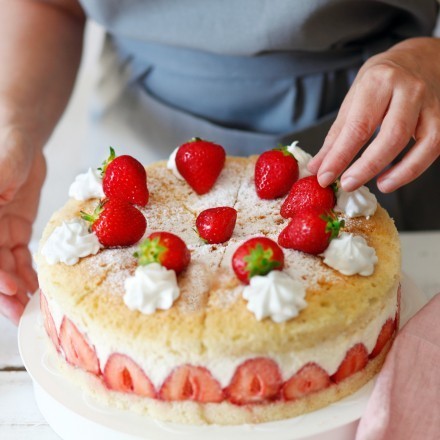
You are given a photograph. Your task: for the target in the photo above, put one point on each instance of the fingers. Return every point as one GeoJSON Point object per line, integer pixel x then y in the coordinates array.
{"type": "Point", "coordinates": [25, 270]}
{"type": "Point", "coordinates": [424, 152]}
{"type": "Point", "coordinates": [11, 307]}
{"type": "Point", "coordinates": [396, 131]}
{"type": "Point", "coordinates": [368, 105]}
{"type": "Point", "coordinates": [8, 283]}
{"type": "Point", "coordinates": [335, 129]}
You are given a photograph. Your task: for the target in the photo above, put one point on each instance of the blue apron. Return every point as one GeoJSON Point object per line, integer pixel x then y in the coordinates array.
{"type": "Point", "coordinates": [248, 74]}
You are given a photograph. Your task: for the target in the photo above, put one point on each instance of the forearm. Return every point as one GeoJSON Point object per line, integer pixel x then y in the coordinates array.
{"type": "Point", "coordinates": [40, 51]}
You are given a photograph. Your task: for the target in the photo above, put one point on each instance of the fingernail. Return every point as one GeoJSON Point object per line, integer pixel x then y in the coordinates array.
{"type": "Point", "coordinates": [386, 185]}
{"type": "Point", "coordinates": [326, 178]}
{"type": "Point", "coordinates": [349, 183]}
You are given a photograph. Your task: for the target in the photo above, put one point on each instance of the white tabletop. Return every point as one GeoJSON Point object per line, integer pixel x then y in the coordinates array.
{"type": "Point", "coordinates": [19, 415]}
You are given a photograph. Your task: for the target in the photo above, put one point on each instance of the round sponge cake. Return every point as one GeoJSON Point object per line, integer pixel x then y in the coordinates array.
{"type": "Point", "coordinates": [209, 339]}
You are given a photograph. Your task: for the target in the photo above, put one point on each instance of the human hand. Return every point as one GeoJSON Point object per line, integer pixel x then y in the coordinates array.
{"type": "Point", "coordinates": [398, 90]}
{"type": "Point", "coordinates": [22, 172]}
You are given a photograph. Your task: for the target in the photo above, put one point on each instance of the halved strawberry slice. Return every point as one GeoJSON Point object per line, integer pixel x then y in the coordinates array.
{"type": "Point", "coordinates": [309, 379]}
{"type": "Point", "coordinates": [355, 360]}
{"type": "Point", "coordinates": [123, 374]}
{"type": "Point", "coordinates": [385, 335]}
{"type": "Point", "coordinates": [77, 350]}
{"type": "Point", "coordinates": [255, 381]}
{"type": "Point", "coordinates": [188, 382]}
{"type": "Point", "coordinates": [49, 323]}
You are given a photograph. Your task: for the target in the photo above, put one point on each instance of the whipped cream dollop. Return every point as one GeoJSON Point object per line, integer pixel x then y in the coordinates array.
{"type": "Point", "coordinates": [87, 186]}
{"type": "Point", "coordinates": [275, 295]}
{"type": "Point", "coordinates": [302, 158]}
{"type": "Point", "coordinates": [350, 254]}
{"type": "Point", "coordinates": [151, 287]}
{"type": "Point", "coordinates": [70, 242]}
{"type": "Point", "coordinates": [360, 202]}
{"type": "Point", "coordinates": [171, 164]}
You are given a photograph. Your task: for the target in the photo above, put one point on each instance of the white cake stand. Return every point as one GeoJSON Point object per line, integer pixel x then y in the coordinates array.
{"type": "Point", "coordinates": [73, 414]}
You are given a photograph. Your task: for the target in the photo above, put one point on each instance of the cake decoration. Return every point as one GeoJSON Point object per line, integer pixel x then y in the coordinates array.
{"type": "Point", "coordinates": [189, 382]}
{"type": "Point", "coordinates": [308, 193]}
{"type": "Point", "coordinates": [164, 248]}
{"type": "Point", "coordinates": [275, 172]}
{"type": "Point", "coordinates": [123, 374]}
{"type": "Point", "coordinates": [216, 225]}
{"type": "Point", "coordinates": [200, 163]}
{"type": "Point", "coordinates": [257, 256]}
{"type": "Point", "coordinates": [125, 178]}
{"type": "Point", "coordinates": [275, 295]}
{"type": "Point", "coordinates": [87, 186]}
{"type": "Point", "coordinates": [309, 379]}
{"type": "Point", "coordinates": [70, 242]}
{"type": "Point", "coordinates": [116, 223]}
{"type": "Point", "coordinates": [310, 230]}
{"type": "Point", "coordinates": [350, 255]}
{"type": "Point", "coordinates": [360, 202]}
{"type": "Point", "coordinates": [151, 287]}
{"type": "Point", "coordinates": [303, 158]}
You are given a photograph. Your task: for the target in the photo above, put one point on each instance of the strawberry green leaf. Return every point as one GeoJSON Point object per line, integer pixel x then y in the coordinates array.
{"type": "Point", "coordinates": [259, 261]}
{"type": "Point", "coordinates": [150, 251]}
{"type": "Point", "coordinates": [107, 162]}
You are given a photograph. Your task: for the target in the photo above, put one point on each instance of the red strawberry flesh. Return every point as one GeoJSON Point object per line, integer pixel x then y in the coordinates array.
{"type": "Point", "coordinates": [309, 379]}
{"type": "Point", "coordinates": [49, 323]}
{"type": "Point", "coordinates": [355, 360]}
{"type": "Point", "coordinates": [123, 374]}
{"type": "Point", "coordinates": [385, 335]}
{"type": "Point", "coordinates": [255, 381]}
{"type": "Point", "coordinates": [77, 350]}
{"type": "Point", "coordinates": [188, 382]}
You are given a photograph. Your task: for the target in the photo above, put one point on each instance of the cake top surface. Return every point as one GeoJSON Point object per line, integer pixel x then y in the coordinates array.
{"type": "Point", "coordinates": [210, 311]}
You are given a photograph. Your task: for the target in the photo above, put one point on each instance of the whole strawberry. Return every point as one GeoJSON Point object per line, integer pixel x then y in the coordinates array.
{"type": "Point", "coordinates": [310, 231]}
{"type": "Point", "coordinates": [308, 193]}
{"type": "Point", "coordinates": [257, 256]}
{"type": "Point", "coordinates": [200, 163]}
{"type": "Point", "coordinates": [216, 225]}
{"type": "Point", "coordinates": [275, 172]}
{"type": "Point", "coordinates": [164, 248]}
{"type": "Point", "coordinates": [125, 178]}
{"type": "Point", "coordinates": [116, 223]}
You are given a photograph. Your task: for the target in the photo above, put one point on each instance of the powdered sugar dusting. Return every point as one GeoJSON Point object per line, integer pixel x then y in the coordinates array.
{"type": "Point", "coordinates": [223, 193]}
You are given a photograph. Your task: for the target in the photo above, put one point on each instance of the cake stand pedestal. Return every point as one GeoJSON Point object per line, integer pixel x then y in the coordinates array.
{"type": "Point", "coordinates": [73, 414]}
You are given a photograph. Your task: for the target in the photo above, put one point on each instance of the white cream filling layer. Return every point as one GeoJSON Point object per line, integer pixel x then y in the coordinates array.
{"type": "Point", "coordinates": [157, 366]}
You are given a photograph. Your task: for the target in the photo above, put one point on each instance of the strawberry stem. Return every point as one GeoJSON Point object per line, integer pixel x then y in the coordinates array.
{"type": "Point", "coordinates": [150, 251]}
{"type": "Point", "coordinates": [334, 224]}
{"type": "Point", "coordinates": [91, 218]}
{"type": "Point", "coordinates": [107, 162]}
{"type": "Point", "coordinates": [283, 149]}
{"type": "Point", "coordinates": [259, 261]}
